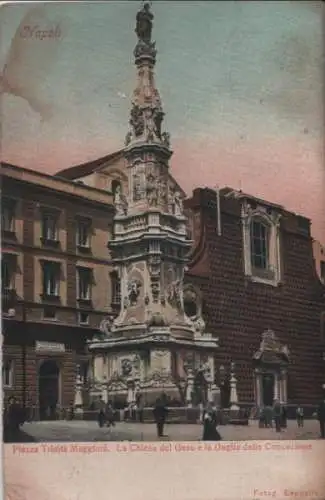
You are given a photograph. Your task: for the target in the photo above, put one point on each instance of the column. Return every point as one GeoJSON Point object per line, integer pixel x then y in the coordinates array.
{"type": "Point", "coordinates": [189, 388]}
{"type": "Point", "coordinates": [233, 389]}
{"type": "Point", "coordinates": [276, 386]}
{"type": "Point", "coordinates": [284, 387]}
{"type": "Point", "coordinates": [78, 399]}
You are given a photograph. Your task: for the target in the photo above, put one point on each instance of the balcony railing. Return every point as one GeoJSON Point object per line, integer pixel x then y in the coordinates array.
{"type": "Point", "coordinates": [8, 297]}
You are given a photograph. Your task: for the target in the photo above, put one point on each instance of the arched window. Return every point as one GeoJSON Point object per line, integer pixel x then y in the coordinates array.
{"type": "Point", "coordinates": [260, 236]}
{"type": "Point", "coordinates": [115, 185]}
{"type": "Point", "coordinates": [115, 288]}
{"type": "Point", "coordinates": [190, 308]}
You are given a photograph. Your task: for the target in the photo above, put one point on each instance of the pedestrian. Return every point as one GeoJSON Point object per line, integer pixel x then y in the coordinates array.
{"type": "Point", "coordinates": [140, 408]}
{"type": "Point", "coordinates": [261, 418]}
{"type": "Point", "coordinates": [160, 412]}
{"type": "Point", "coordinates": [109, 416]}
{"type": "Point", "coordinates": [101, 412]}
{"type": "Point", "coordinates": [277, 410]}
{"type": "Point", "coordinates": [321, 417]}
{"type": "Point", "coordinates": [300, 416]}
{"type": "Point", "coordinates": [210, 431]}
{"type": "Point", "coordinates": [283, 417]}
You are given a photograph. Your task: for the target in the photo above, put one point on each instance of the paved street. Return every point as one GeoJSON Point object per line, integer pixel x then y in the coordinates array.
{"type": "Point", "coordinates": [89, 431]}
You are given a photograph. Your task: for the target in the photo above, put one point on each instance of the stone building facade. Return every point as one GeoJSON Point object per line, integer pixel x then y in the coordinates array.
{"type": "Point", "coordinates": [55, 284]}
{"type": "Point", "coordinates": [252, 271]}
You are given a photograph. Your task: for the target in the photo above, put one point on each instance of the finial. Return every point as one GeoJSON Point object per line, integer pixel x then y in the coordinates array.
{"type": "Point", "coordinates": [144, 22]}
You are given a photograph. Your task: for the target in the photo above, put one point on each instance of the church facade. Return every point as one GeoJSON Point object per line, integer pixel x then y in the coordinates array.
{"type": "Point", "coordinates": [252, 271]}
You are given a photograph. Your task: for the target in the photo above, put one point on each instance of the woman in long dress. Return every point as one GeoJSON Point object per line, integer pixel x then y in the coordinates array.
{"type": "Point", "coordinates": [210, 432]}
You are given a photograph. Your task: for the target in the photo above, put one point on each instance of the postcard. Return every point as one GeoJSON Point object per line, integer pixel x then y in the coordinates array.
{"type": "Point", "coordinates": [163, 250]}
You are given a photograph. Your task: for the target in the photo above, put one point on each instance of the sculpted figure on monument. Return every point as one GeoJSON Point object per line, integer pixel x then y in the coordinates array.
{"type": "Point", "coordinates": [106, 324]}
{"type": "Point", "coordinates": [166, 139]}
{"type": "Point", "coordinates": [178, 203]}
{"type": "Point", "coordinates": [120, 202]}
{"type": "Point", "coordinates": [134, 291]}
{"type": "Point", "coordinates": [128, 138]}
{"type": "Point", "coordinates": [199, 324]}
{"type": "Point", "coordinates": [162, 191]}
{"type": "Point", "coordinates": [152, 190]}
{"type": "Point", "coordinates": [126, 367]}
{"type": "Point", "coordinates": [144, 23]}
{"type": "Point", "coordinates": [174, 294]}
{"type": "Point", "coordinates": [137, 120]}
{"type": "Point", "coordinates": [136, 187]}
{"type": "Point", "coordinates": [157, 116]}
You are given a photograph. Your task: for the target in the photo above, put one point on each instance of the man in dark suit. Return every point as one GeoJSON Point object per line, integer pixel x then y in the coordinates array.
{"type": "Point", "coordinates": [160, 412]}
{"type": "Point", "coordinates": [321, 417]}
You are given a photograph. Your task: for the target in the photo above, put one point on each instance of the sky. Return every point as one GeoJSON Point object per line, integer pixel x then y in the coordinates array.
{"type": "Point", "coordinates": [241, 85]}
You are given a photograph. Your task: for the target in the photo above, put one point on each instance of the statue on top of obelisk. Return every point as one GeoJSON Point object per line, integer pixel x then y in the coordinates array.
{"type": "Point", "coordinates": [144, 23]}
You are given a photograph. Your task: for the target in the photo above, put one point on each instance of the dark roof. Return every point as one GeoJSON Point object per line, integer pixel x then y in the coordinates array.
{"type": "Point", "coordinates": [87, 168]}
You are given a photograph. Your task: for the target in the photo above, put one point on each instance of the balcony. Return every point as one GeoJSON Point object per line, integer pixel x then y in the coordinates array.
{"type": "Point", "coordinates": [8, 298]}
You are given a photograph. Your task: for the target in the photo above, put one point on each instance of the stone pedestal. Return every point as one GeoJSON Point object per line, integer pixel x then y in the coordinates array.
{"type": "Point", "coordinates": [189, 389]}
{"type": "Point", "coordinates": [78, 399]}
{"type": "Point", "coordinates": [234, 408]}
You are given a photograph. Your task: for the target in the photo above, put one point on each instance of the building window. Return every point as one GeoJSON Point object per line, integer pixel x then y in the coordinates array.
{"type": "Point", "coordinates": [7, 373]}
{"type": "Point", "coordinates": [116, 185]}
{"type": "Point", "coordinates": [7, 271]}
{"type": "Point", "coordinates": [115, 288]}
{"type": "Point", "coordinates": [8, 212]}
{"type": "Point", "coordinates": [83, 318]}
{"type": "Point", "coordinates": [51, 278]}
{"type": "Point", "coordinates": [84, 283]}
{"type": "Point", "coordinates": [261, 242]}
{"type": "Point", "coordinates": [83, 371]}
{"type": "Point", "coordinates": [322, 270]}
{"type": "Point", "coordinates": [259, 245]}
{"type": "Point", "coordinates": [83, 234]}
{"type": "Point", "coordinates": [49, 313]}
{"type": "Point", "coordinates": [49, 227]}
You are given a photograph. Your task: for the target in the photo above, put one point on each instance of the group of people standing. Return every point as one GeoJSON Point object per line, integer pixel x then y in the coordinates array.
{"type": "Point", "coordinates": [276, 413]}
{"type": "Point", "coordinates": [106, 414]}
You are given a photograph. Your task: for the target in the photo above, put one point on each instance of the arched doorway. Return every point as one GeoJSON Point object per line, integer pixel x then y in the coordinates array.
{"type": "Point", "coordinates": [48, 389]}
{"type": "Point", "coordinates": [268, 380]}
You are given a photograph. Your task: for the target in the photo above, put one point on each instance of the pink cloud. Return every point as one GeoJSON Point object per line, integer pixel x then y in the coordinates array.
{"type": "Point", "coordinates": [285, 171]}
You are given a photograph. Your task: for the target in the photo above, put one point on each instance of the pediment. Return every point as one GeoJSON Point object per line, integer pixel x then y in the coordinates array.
{"type": "Point", "coordinates": [271, 350]}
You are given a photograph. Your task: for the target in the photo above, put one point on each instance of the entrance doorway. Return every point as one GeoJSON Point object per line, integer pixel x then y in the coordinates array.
{"type": "Point", "coordinates": [268, 380]}
{"type": "Point", "coordinates": [48, 389]}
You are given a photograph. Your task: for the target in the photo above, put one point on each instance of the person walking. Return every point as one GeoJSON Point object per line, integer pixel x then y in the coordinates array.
{"type": "Point", "coordinates": [284, 422]}
{"type": "Point", "coordinates": [277, 411]}
{"type": "Point", "coordinates": [101, 412]}
{"type": "Point", "coordinates": [321, 417]}
{"type": "Point", "coordinates": [210, 432]}
{"type": "Point", "coordinates": [109, 415]}
{"type": "Point", "coordinates": [160, 412]}
{"type": "Point", "coordinates": [140, 409]}
{"type": "Point", "coordinates": [300, 416]}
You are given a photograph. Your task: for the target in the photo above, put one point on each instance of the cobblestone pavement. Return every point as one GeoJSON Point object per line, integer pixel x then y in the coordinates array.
{"type": "Point", "coordinates": [79, 431]}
